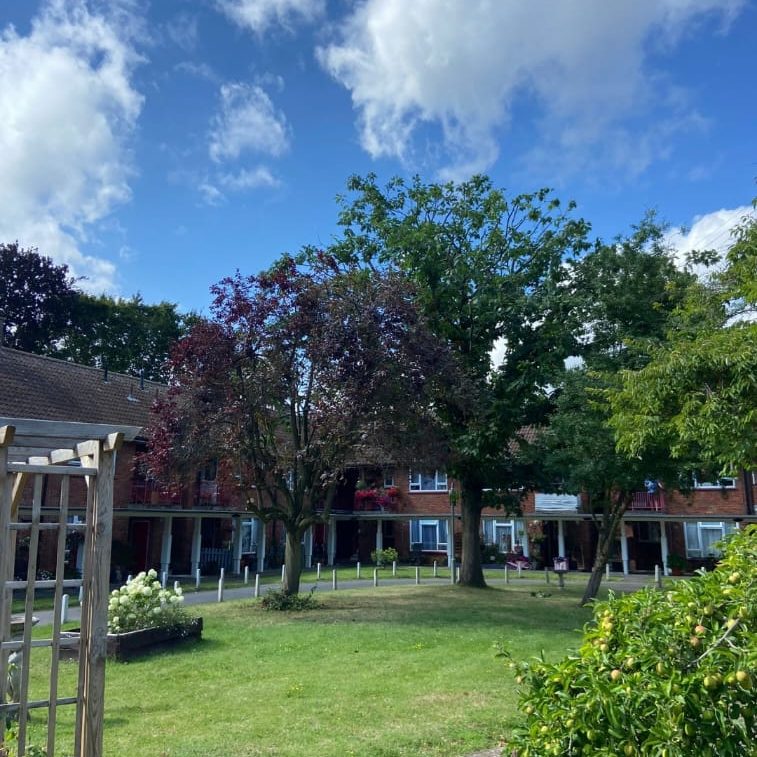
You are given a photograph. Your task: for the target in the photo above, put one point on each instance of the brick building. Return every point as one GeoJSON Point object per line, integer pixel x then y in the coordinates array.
{"type": "Point", "coordinates": [204, 526]}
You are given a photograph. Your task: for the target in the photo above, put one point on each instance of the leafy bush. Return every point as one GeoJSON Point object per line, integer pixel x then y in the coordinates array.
{"type": "Point", "coordinates": [144, 603]}
{"type": "Point", "coordinates": [659, 673]}
{"type": "Point", "coordinates": [279, 600]}
{"type": "Point", "coordinates": [384, 556]}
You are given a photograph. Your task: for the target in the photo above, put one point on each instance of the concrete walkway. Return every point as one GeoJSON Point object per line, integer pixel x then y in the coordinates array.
{"type": "Point", "coordinates": [618, 583]}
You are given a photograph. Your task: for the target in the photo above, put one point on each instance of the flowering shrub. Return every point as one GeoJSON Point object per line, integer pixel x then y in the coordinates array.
{"type": "Point", "coordinates": [667, 673]}
{"type": "Point", "coordinates": [144, 603]}
{"type": "Point", "coordinates": [384, 556]}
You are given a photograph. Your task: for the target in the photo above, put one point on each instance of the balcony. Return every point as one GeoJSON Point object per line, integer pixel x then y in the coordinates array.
{"type": "Point", "coordinates": [652, 502]}
{"type": "Point", "coordinates": [203, 494]}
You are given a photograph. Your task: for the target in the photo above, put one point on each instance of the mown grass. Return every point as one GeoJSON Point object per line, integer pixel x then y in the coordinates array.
{"type": "Point", "coordinates": [399, 671]}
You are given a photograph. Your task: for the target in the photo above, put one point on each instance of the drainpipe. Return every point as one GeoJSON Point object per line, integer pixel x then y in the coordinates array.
{"type": "Point", "coordinates": [748, 493]}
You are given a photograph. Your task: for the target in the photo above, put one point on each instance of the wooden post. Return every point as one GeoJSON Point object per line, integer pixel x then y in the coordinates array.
{"type": "Point", "coordinates": [333, 579]}
{"type": "Point", "coordinates": [256, 594]}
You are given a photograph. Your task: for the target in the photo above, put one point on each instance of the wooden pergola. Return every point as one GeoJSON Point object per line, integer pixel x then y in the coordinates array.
{"type": "Point", "coordinates": [31, 452]}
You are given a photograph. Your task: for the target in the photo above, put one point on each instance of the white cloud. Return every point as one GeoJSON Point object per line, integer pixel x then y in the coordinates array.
{"type": "Point", "coordinates": [464, 65]}
{"type": "Point", "coordinates": [248, 179]}
{"type": "Point", "coordinates": [258, 15]}
{"type": "Point", "coordinates": [712, 231]}
{"type": "Point", "coordinates": [247, 122]}
{"type": "Point", "coordinates": [68, 109]}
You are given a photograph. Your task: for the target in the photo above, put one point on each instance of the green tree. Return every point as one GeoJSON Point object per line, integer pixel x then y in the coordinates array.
{"type": "Point", "coordinates": [626, 293]}
{"type": "Point", "coordinates": [488, 273]}
{"type": "Point", "coordinates": [698, 394]}
{"type": "Point", "coordinates": [129, 336]}
{"type": "Point", "coordinates": [36, 298]}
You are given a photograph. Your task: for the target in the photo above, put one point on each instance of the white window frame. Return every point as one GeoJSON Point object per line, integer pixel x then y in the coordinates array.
{"type": "Point", "coordinates": [494, 526]}
{"type": "Point", "coordinates": [696, 551]}
{"type": "Point", "coordinates": [419, 524]}
{"type": "Point", "coordinates": [716, 484]}
{"type": "Point", "coordinates": [416, 477]}
{"type": "Point", "coordinates": [388, 478]}
{"type": "Point", "coordinates": [249, 535]}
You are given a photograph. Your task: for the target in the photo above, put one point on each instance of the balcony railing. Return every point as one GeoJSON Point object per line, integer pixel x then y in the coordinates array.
{"type": "Point", "coordinates": [202, 494]}
{"type": "Point", "coordinates": [648, 502]}
{"type": "Point", "coordinates": [557, 503]}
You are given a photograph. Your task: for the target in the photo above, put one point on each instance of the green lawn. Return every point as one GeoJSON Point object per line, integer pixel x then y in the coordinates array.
{"type": "Point", "coordinates": [393, 671]}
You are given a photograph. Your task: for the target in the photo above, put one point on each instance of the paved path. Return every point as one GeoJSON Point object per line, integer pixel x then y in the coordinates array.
{"type": "Point", "coordinates": [618, 583]}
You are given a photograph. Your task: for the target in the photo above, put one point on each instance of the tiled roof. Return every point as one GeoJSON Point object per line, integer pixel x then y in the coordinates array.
{"type": "Point", "coordinates": [32, 386]}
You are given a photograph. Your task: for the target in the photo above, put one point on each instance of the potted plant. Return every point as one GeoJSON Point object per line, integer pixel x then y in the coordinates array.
{"type": "Point", "coordinates": [676, 563]}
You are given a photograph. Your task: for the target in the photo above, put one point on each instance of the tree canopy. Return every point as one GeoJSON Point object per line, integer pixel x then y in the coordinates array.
{"type": "Point", "coordinates": [488, 273]}
{"type": "Point", "coordinates": [698, 394]}
{"type": "Point", "coordinates": [300, 371]}
{"type": "Point", "coordinates": [36, 297]}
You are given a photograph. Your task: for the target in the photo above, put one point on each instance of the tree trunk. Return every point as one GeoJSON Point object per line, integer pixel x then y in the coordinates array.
{"type": "Point", "coordinates": [292, 562]}
{"type": "Point", "coordinates": [471, 573]}
{"type": "Point", "coordinates": [604, 542]}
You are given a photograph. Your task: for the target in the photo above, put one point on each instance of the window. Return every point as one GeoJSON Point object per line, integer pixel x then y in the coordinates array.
{"type": "Point", "coordinates": [727, 482]}
{"type": "Point", "coordinates": [702, 537]}
{"type": "Point", "coordinates": [388, 478]}
{"type": "Point", "coordinates": [249, 536]}
{"type": "Point", "coordinates": [425, 481]}
{"type": "Point", "coordinates": [430, 534]}
{"type": "Point", "coordinates": [499, 532]}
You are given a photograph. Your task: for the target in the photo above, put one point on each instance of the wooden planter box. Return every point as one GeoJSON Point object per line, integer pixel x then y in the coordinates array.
{"type": "Point", "coordinates": [124, 646]}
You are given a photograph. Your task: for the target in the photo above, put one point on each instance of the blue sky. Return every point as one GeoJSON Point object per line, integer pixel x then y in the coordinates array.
{"type": "Point", "coordinates": [157, 146]}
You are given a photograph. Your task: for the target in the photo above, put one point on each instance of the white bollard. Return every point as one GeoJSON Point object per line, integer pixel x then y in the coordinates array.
{"type": "Point", "coordinates": [507, 574]}
{"type": "Point", "coordinates": [375, 577]}
{"type": "Point", "coordinates": [657, 578]}
{"type": "Point", "coordinates": [457, 574]}
{"type": "Point", "coordinates": [128, 578]}
{"type": "Point", "coordinates": [520, 571]}
{"type": "Point", "coordinates": [452, 571]}
{"type": "Point", "coordinates": [417, 574]}
{"type": "Point", "coordinates": [64, 609]}
{"type": "Point", "coordinates": [394, 568]}
{"type": "Point", "coordinates": [223, 573]}
{"type": "Point", "coordinates": [164, 579]}
{"type": "Point", "coordinates": [176, 586]}
{"type": "Point", "coordinates": [246, 574]}
{"type": "Point", "coordinates": [607, 571]}
{"type": "Point", "coordinates": [333, 579]}
{"type": "Point", "coordinates": [318, 572]}
{"type": "Point", "coordinates": [220, 589]}
{"type": "Point", "coordinates": [357, 574]}
{"type": "Point", "coordinates": [257, 586]}
{"type": "Point", "coordinates": [197, 580]}
{"type": "Point", "coordinates": [81, 594]}
{"type": "Point", "coordinates": [436, 575]}
{"type": "Point", "coordinates": [283, 572]}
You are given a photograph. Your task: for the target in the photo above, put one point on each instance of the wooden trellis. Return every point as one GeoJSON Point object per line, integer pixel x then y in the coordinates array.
{"type": "Point", "coordinates": [31, 452]}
